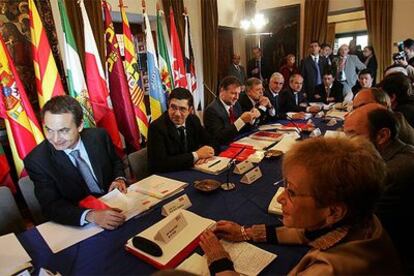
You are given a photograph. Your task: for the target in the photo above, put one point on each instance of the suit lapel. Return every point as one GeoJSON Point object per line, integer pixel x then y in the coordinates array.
{"type": "Point", "coordinates": [172, 130]}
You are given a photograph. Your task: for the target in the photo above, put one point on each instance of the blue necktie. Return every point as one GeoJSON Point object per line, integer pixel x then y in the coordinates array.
{"type": "Point", "coordinates": [318, 73]}
{"type": "Point", "coordinates": [86, 173]}
{"type": "Point", "coordinates": [297, 98]}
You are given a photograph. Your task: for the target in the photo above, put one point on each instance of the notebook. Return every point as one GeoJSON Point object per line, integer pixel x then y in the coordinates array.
{"type": "Point", "coordinates": [158, 186]}
{"type": "Point", "coordinates": [215, 166]}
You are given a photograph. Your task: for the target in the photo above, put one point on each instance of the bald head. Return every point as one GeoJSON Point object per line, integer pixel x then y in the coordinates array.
{"type": "Point", "coordinates": [356, 123]}
{"type": "Point", "coordinates": [371, 95]}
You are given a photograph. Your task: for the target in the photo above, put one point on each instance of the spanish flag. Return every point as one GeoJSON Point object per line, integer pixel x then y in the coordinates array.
{"type": "Point", "coordinates": [48, 80]}
{"type": "Point", "coordinates": [23, 130]}
{"type": "Point", "coordinates": [132, 73]}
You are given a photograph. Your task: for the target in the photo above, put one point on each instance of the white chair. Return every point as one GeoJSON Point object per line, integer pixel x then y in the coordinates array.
{"type": "Point", "coordinates": [138, 162]}
{"type": "Point", "coordinates": [10, 218]}
{"type": "Point", "coordinates": [27, 188]}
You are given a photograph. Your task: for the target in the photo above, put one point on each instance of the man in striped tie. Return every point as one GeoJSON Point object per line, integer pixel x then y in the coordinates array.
{"type": "Point", "coordinates": [73, 163]}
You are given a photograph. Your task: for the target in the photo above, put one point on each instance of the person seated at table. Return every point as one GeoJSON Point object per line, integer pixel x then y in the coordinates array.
{"type": "Point", "coordinates": [223, 118]}
{"type": "Point", "coordinates": [378, 124]}
{"type": "Point", "coordinates": [331, 188]}
{"type": "Point", "coordinates": [293, 99]}
{"type": "Point", "coordinates": [365, 80]}
{"type": "Point", "coordinates": [73, 163]}
{"type": "Point", "coordinates": [253, 98]}
{"type": "Point", "coordinates": [176, 140]}
{"type": "Point", "coordinates": [330, 91]}
{"type": "Point", "coordinates": [275, 87]}
{"type": "Point", "coordinates": [377, 95]}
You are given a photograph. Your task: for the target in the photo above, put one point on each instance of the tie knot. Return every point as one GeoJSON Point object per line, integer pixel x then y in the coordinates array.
{"type": "Point", "coordinates": [75, 154]}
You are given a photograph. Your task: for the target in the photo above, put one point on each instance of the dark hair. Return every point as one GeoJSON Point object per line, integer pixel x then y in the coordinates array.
{"type": "Point", "coordinates": [397, 84]}
{"type": "Point", "coordinates": [324, 45]}
{"type": "Point", "coordinates": [365, 72]}
{"type": "Point", "coordinates": [64, 104]}
{"type": "Point", "coordinates": [252, 82]}
{"type": "Point", "coordinates": [258, 48]}
{"type": "Point", "coordinates": [327, 72]}
{"type": "Point", "coordinates": [379, 119]}
{"type": "Point", "coordinates": [180, 93]}
{"type": "Point", "coordinates": [371, 49]}
{"type": "Point", "coordinates": [229, 80]}
{"type": "Point", "coordinates": [408, 43]}
{"type": "Point", "coordinates": [314, 41]}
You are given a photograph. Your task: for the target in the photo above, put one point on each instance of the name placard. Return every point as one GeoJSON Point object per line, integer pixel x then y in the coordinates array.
{"type": "Point", "coordinates": [243, 167]}
{"type": "Point", "coordinates": [171, 229]}
{"type": "Point", "coordinates": [251, 176]}
{"type": "Point", "coordinates": [183, 202]}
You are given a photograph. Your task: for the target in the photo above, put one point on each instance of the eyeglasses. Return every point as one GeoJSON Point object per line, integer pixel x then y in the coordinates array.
{"type": "Point", "coordinates": [290, 193]}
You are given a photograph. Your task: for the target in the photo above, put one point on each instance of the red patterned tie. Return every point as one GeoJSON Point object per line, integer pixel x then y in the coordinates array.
{"type": "Point", "coordinates": [232, 117]}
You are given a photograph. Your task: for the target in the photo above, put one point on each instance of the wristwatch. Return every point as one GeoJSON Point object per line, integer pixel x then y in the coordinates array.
{"type": "Point", "coordinates": [121, 178]}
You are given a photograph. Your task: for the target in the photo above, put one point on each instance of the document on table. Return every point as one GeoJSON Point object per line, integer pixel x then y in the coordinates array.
{"type": "Point", "coordinates": [13, 257]}
{"type": "Point", "coordinates": [247, 259]}
{"type": "Point", "coordinates": [256, 144]}
{"type": "Point", "coordinates": [215, 166]}
{"type": "Point", "coordinates": [59, 237]}
{"type": "Point", "coordinates": [334, 134]}
{"type": "Point", "coordinates": [158, 186]}
{"type": "Point", "coordinates": [286, 143]}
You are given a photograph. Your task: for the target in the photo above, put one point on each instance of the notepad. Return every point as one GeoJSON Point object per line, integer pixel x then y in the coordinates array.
{"type": "Point", "coordinates": [215, 166]}
{"type": "Point", "coordinates": [286, 143]}
{"type": "Point", "coordinates": [158, 186]}
{"type": "Point", "coordinates": [13, 257]}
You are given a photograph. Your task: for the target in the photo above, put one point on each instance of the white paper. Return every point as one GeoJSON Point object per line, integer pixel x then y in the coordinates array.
{"type": "Point", "coordinates": [337, 114]}
{"type": "Point", "coordinates": [256, 144]}
{"type": "Point", "coordinates": [334, 134]}
{"type": "Point", "coordinates": [158, 186]}
{"type": "Point", "coordinates": [13, 257]}
{"type": "Point", "coordinates": [195, 264]}
{"type": "Point", "coordinates": [212, 167]}
{"type": "Point", "coordinates": [286, 143]}
{"type": "Point", "coordinates": [247, 258]}
{"type": "Point", "coordinates": [59, 237]}
{"type": "Point", "coordinates": [294, 114]}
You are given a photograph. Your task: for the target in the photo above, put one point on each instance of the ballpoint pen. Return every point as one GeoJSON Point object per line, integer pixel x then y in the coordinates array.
{"type": "Point", "coordinates": [215, 163]}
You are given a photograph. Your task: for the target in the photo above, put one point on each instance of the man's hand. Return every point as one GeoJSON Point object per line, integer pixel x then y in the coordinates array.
{"type": "Point", "coordinates": [314, 109]}
{"type": "Point", "coordinates": [205, 152]}
{"type": "Point", "coordinates": [118, 184]}
{"type": "Point", "coordinates": [264, 101]}
{"type": "Point", "coordinates": [330, 99]}
{"type": "Point", "coordinates": [299, 116]}
{"type": "Point", "coordinates": [317, 96]}
{"type": "Point", "coordinates": [202, 161]}
{"type": "Point", "coordinates": [108, 219]}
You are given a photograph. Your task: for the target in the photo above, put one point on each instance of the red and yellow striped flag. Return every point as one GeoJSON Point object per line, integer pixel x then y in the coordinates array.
{"type": "Point", "coordinates": [23, 130]}
{"type": "Point", "coordinates": [48, 80]}
{"type": "Point", "coordinates": [131, 71]}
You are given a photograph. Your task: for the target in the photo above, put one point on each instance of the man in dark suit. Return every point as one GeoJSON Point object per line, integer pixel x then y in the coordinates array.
{"type": "Point", "coordinates": [312, 69]}
{"type": "Point", "coordinates": [73, 163]}
{"type": "Point", "coordinates": [253, 98]}
{"type": "Point", "coordinates": [330, 91]}
{"type": "Point", "coordinates": [257, 67]}
{"type": "Point", "coordinates": [176, 140]}
{"type": "Point", "coordinates": [276, 83]}
{"type": "Point", "coordinates": [223, 118]}
{"type": "Point", "coordinates": [235, 69]}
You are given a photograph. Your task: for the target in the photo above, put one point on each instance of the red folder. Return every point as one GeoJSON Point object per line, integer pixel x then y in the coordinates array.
{"type": "Point", "coordinates": [174, 262]}
{"type": "Point", "coordinates": [235, 148]}
{"type": "Point", "coordinates": [91, 202]}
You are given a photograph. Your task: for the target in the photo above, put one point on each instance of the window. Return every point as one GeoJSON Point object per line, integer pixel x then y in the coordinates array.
{"type": "Point", "coordinates": [361, 39]}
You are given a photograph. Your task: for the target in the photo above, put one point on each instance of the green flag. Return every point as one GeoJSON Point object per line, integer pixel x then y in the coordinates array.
{"type": "Point", "coordinates": [163, 57]}
{"type": "Point", "coordinates": [74, 72]}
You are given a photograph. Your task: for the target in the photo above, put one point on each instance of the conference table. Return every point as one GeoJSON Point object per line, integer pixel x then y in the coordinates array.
{"type": "Point", "coordinates": [104, 253]}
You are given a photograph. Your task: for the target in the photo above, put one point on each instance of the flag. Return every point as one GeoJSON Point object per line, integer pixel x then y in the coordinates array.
{"type": "Point", "coordinates": [118, 85]}
{"type": "Point", "coordinates": [189, 61]}
{"type": "Point", "coordinates": [132, 73]}
{"type": "Point", "coordinates": [178, 62]}
{"type": "Point", "coordinates": [48, 80]}
{"type": "Point", "coordinates": [157, 97]}
{"type": "Point", "coordinates": [23, 130]}
{"type": "Point", "coordinates": [163, 57]}
{"type": "Point", "coordinates": [75, 78]}
{"type": "Point", "coordinates": [5, 177]}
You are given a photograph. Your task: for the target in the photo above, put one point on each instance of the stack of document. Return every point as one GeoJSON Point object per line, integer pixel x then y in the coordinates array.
{"type": "Point", "coordinates": [158, 186]}
{"type": "Point", "coordinates": [215, 166]}
{"type": "Point", "coordinates": [286, 143]}
{"type": "Point", "coordinates": [13, 257]}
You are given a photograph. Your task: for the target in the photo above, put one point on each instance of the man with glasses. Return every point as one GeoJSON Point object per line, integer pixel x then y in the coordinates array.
{"type": "Point", "coordinates": [176, 140]}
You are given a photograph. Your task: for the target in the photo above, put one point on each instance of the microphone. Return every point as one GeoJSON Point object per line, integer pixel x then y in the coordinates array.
{"type": "Point", "coordinates": [228, 185]}
{"type": "Point", "coordinates": [209, 90]}
{"type": "Point", "coordinates": [297, 128]}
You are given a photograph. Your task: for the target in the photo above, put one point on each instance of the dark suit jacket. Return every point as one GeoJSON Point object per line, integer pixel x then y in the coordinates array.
{"type": "Point", "coordinates": [239, 74]}
{"type": "Point", "coordinates": [165, 151]}
{"type": "Point", "coordinates": [288, 103]}
{"type": "Point", "coordinates": [275, 104]}
{"type": "Point", "coordinates": [58, 184]}
{"type": "Point", "coordinates": [309, 73]}
{"type": "Point", "coordinates": [217, 123]}
{"type": "Point", "coordinates": [407, 109]}
{"type": "Point", "coordinates": [264, 68]}
{"type": "Point", "coordinates": [336, 92]}
{"type": "Point", "coordinates": [247, 105]}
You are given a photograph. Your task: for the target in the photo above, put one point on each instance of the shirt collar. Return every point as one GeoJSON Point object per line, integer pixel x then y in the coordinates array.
{"type": "Point", "coordinates": [77, 147]}
{"type": "Point", "coordinates": [226, 106]}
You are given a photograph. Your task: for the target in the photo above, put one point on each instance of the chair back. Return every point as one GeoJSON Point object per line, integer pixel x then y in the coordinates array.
{"type": "Point", "coordinates": [138, 162]}
{"type": "Point", "coordinates": [10, 218]}
{"type": "Point", "coordinates": [27, 188]}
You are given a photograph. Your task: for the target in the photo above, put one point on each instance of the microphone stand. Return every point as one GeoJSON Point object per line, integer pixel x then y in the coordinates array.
{"type": "Point", "coordinates": [298, 129]}
{"type": "Point", "coordinates": [228, 185]}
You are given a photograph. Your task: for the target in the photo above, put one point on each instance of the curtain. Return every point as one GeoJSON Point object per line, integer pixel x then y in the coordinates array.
{"type": "Point", "coordinates": [178, 8]}
{"type": "Point", "coordinates": [316, 22]}
{"type": "Point", "coordinates": [330, 34]}
{"type": "Point", "coordinates": [94, 10]}
{"type": "Point", "coordinates": [209, 25]}
{"type": "Point", "coordinates": [379, 23]}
